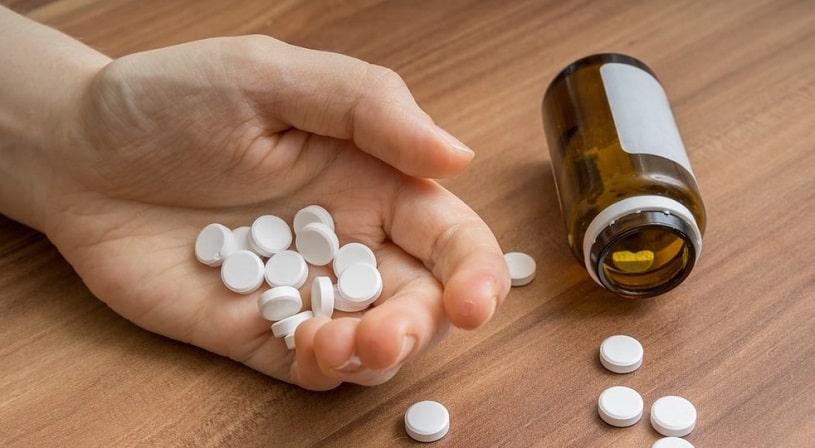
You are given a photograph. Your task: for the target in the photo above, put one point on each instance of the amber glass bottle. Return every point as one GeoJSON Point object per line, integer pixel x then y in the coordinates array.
{"type": "Point", "coordinates": [633, 212]}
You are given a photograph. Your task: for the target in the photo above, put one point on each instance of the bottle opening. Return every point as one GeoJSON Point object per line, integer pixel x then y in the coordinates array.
{"type": "Point", "coordinates": [644, 255]}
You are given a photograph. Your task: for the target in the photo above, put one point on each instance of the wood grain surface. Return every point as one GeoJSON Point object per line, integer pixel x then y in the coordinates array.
{"type": "Point", "coordinates": [737, 338]}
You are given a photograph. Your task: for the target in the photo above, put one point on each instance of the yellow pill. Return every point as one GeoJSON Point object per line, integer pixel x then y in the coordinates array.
{"type": "Point", "coordinates": [633, 262]}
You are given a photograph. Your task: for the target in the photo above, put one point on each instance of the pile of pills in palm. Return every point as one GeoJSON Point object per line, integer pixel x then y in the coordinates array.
{"type": "Point", "coordinates": [240, 254]}
{"type": "Point", "coordinates": [621, 406]}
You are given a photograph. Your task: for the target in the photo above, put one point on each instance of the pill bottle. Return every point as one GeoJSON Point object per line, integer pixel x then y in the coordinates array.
{"type": "Point", "coordinates": [628, 195]}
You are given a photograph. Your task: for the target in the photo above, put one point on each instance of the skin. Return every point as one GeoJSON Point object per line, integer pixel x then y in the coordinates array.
{"type": "Point", "coordinates": [124, 161]}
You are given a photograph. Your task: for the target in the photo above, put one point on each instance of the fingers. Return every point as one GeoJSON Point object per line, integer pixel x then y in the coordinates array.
{"type": "Point", "coordinates": [433, 225]}
{"type": "Point", "coordinates": [342, 97]}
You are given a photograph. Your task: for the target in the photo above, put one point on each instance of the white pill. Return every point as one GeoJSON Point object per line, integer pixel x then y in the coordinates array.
{"type": "Point", "coordinates": [350, 254]}
{"type": "Point", "coordinates": [289, 339]}
{"type": "Point", "coordinates": [287, 326]}
{"type": "Point", "coordinates": [270, 235]}
{"type": "Point", "coordinates": [427, 421]}
{"type": "Point", "coordinates": [241, 235]}
{"type": "Point", "coordinates": [343, 304]}
{"type": "Point", "coordinates": [621, 354]}
{"type": "Point", "coordinates": [620, 406]}
{"type": "Point", "coordinates": [279, 303]}
{"type": "Point", "coordinates": [673, 416]}
{"type": "Point", "coordinates": [242, 272]}
{"type": "Point", "coordinates": [286, 268]}
{"type": "Point", "coordinates": [360, 283]}
{"type": "Point", "coordinates": [310, 214]}
{"type": "Point", "coordinates": [317, 243]}
{"type": "Point", "coordinates": [672, 442]}
{"type": "Point", "coordinates": [214, 243]}
{"type": "Point", "coordinates": [322, 297]}
{"type": "Point", "coordinates": [521, 268]}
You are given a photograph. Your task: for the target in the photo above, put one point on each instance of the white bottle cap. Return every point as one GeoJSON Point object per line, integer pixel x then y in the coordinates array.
{"type": "Point", "coordinates": [279, 303]}
{"type": "Point", "coordinates": [620, 406]}
{"type": "Point", "coordinates": [310, 214]}
{"type": "Point", "coordinates": [270, 235]}
{"type": "Point", "coordinates": [286, 268]}
{"type": "Point", "coordinates": [353, 253]}
{"type": "Point", "coordinates": [621, 354]}
{"type": "Point", "coordinates": [673, 416]}
{"type": "Point", "coordinates": [242, 272]}
{"type": "Point", "coordinates": [215, 242]}
{"type": "Point", "coordinates": [317, 243]}
{"type": "Point", "coordinates": [427, 421]}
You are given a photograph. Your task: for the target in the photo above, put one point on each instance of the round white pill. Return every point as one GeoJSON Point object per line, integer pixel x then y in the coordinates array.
{"type": "Point", "coordinates": [672, 442]}
{"type": "Point", "coordinates": [350, 254]}
{"type": "Point", "coordinates": [521, 268]}
{"type": "Point", "coordinates": [289, 339]}
{"type": "Point", "coordinates": [310, 214]}
{"type": "Point", "coordinates": [621, 354]}
{"type": "Point", "coordinates": [241, 235]}
{"type": "Point", "coordinates": [427, 421]}
{"type": "Point", "coordinates": [286, 268]}
{"type": "Point", "coordinates": [620, 406]}
{"type": "Point", "coordinates": [360, 283]}
{"type": "Point", "coordinates": [242, 272]}
{"type": "Point", "coordinates": [269, 235]}
{"type": "Point", "coordinates": [279, 303]}
{"type": "Point", "coordinates": [317, 243]}
{"type": "Point", "coordinates": [287, 326]}
{"type": "Point", "coordinates": [322, 297]}
{"type": "Point", "coordinates": [214, 243]}
{"type": "Point", "coordinates": [673, 416]}
{"type": "Point", "coordinates": [342, 304]}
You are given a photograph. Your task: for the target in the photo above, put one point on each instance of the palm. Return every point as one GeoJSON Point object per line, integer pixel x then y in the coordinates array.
{"type": "Point", "coordinates": [160, 163]}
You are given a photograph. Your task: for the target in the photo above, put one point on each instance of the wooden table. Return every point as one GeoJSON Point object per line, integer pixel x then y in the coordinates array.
{"type": "Point", "coordinates": [737, 338]}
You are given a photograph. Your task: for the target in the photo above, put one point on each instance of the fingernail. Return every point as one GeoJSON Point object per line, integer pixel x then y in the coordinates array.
{"type": "Point", "coordinates": [407, 348]}
{"type": "Point", "coordinates": [454, 142]}
{"type": "Point", "coordinates": [351, 366]}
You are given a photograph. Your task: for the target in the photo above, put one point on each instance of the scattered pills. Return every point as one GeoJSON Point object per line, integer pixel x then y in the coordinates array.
{"type": "Point", "coordinates": [242, 272]}
{"type": "Point", "coordinates": [672, 442]}
{"type": "Point", "coordinates": [521, 268]}
{"type": "Point", "coordinates": [360, 283]}
{"type": "Point", "coordinates": [621, 354]}
{"type": "Point", "coordinates": [673, 416]}
{"type": "Point", "coordinates": [620, 406]}
{"type": "Point", "coordinates": [310, 214]}
{"type": "Point", "coordinates": [286, 268]}
{"type": "Point", "coordinates": [317, 243]}
{"type": "Point", "coordinates": [353, 253]}
{"type": "Point", "coordinates": [269, 235]}
{"type": "Point", "coordinates": [322, 296]}
{"type": "Point", "coordinates": [279, 303]}
{"type": "Point", "coordinates": [287, 326]}
{"type": "Point", "coordinates": [427, 421]}
{"type": "Point", "coordinates": [214, 243]}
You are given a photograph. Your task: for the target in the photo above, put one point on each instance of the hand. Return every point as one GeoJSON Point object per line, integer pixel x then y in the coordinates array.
{"type": "Point", "coordinates": [225, 130]}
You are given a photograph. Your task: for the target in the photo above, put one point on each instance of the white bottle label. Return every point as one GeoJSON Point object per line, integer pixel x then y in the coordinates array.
{"type": "Point", "coordinates": [642, 115]}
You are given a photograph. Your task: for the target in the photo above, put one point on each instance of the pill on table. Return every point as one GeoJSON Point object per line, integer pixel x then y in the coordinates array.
{"type": "Point", "coordinates": [279, 303]}
{"type": "Point", "coordinates": [287, 326]}
{"type": "Point", "coordinates": [521, 268]}
{"type": "Point", "coordinates": [672, 442]}
{"type": "Point", "coordinates": [241, 235]}
{"type": "Point", "coordinates": [360, 283]}
{"type": "Point", "coordinates": [269, 235]}
{"type": "Point", "coordinates": [322, 297]}
{"type": "Point", "coordinates": [673, 416]}
{"type": "Point", "coordinates": [621, 354]}
{"type": "Point", "coordinates": [310, 214]}
{"type": "Point", "coordinates": [286, 268]}
{"type": "Point", "coordinates": [620, 406]}
{"type": "Point", "coordinates": [289, 340]}
{"type": "Point", "coordinates": [242, 272]}
{"type": "Point", "coordinates": [214, 243]}
{"type": "Point", "coordinates": [427, 421]}
{"type": "Point", "coordinates": [350, 254]}
{"type": "Point", "coordinates": [317, 243]}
